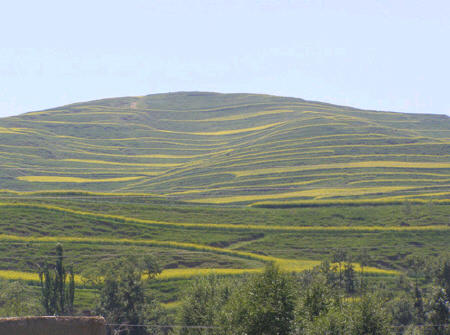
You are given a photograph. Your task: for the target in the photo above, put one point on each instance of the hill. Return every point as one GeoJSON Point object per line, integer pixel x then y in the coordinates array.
{"type": "Point", "coordinates": [133, 176]}
{"type": "Point", "coordinates": [227, 149]}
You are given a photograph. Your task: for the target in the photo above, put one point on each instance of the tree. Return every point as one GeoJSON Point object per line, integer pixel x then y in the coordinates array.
{"type": "Point", "coordinates": [363, 259]}
{"type": "Point", "coordinates": [264, 305]}
{"type": "Point", "coordinates": [440, 314]}
{"type": "Point", "coordinates": [339, 257]}
{"type": "Point", "coordinates": [203, 304]}
{"type": "Point", "coordinates": [402, 310]}
{"type": "Point", "coordinates": [349, 277]}
{"type": "Point", "coordinates": [57, 296]}
{"type": "Point", "coordinates": [17, 299]}
{"type": "Point", "coordinates": [369, 317]}
{"type": "Point", "coordinates": [123, 301]}
{"type": "Point", "coordinates": [442, 274]}
{"type": "Point", "coordinates": [415, 266]}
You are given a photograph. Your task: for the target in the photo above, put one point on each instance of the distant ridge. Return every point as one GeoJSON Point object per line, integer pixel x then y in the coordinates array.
{"type": "Point", "coordinates": [227, 149]}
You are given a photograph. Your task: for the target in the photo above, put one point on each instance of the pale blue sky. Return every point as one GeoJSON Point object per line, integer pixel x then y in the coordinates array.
{"type": "Point", "coordinates": [385, 55]}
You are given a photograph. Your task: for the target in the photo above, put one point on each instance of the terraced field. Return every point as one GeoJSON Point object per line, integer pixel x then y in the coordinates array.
{"type": "Point", "coordinates": [226, 148]}
{"type": "Point", "coordinates": [220, 183]}
{"type": "Point", "coordinates": [189, 240]}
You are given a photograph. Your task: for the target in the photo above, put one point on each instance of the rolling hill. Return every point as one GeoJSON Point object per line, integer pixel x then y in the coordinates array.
{"type": "Point", "coordinates": [152, 174]}
{"type": "Point", "coordinates": [226, 149]}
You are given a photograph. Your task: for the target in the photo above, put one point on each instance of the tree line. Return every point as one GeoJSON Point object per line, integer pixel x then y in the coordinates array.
{"type": "Point", "coordinates": [331, 299]}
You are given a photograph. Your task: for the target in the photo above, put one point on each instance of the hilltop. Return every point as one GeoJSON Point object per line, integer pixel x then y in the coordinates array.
{"type": "Point", "coordinates": [226, 149]}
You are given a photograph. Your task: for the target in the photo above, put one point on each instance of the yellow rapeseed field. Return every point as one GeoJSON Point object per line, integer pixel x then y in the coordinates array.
{"type": "Point", "coordinates": [60, 179]}
{"type": "Point", "coordinates": [409, 180]}
{"type": "Point", "coordinates": [368, 164]}
{"type": "Point", "coordinates": [163, 156]}
{"type": "Point", "coordinates": [242, 116]}
{"type": "Point", "coordinates": [313, 193]}
{"type": "Point", "coordinates": [382, 200]}
{"type": "Point", "coordinates": [28, 276]}
{"type": "Point", "coordinates": [290, 265]}
{"type": "Point", "coordinates": [187, 273]}
{"type": "Point", "coordinates": [81, 192]}
{"type": "Point", "coordinates": [183, 273]}
{"type": "Point", "coordinates": [8, 131]}
{"type": "Point", "coordinates": [119, 163]}
{"type": "Point", "coordinates": [225, 132]}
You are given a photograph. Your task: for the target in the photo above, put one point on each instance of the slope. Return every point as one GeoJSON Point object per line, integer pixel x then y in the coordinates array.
{"type": "Point", "coordinates": [227, 149]}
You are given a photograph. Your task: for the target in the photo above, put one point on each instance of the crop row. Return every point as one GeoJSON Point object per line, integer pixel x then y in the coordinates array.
{"type": "Point", "coordinates": [209, 226]}
{"type": "Point", "coordinates": [363, 164]}
{"type": "Point", "coordinates": [60, 179]}
{"type": "Point", "coordinates": [225, 132]}
{"type": "Point", "coordinates": [298, 157]}
{"type": "Point", "coordinates": [312, 193]}
{"type": "Point", "coordinates": [241, 116]}
{"type": "Point", "coordinates": [394, 200]}
{"type": "Point", "coordinates": [291, 265]}
{"type": "Point", "coordinates": [119, 163]}
{"type": "Point", "coordinates": [76, 192]}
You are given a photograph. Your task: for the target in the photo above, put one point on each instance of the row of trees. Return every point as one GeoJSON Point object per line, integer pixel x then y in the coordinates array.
{"type": "Point", "coordinates": [330, 299]}
{"type": "Point", "coordinates": [313, 304]}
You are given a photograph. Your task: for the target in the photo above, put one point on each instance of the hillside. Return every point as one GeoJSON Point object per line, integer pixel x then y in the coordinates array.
{"type": "Point", "coordinates": [105, 178]}
{"type": "Point", "coordinates": [226, 148]}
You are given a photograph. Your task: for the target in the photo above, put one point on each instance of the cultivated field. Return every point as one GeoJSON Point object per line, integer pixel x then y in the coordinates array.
{"type": "Point", "coordinates": [220, 183]}
{"type": "Point", "coordinates": [227, 149]}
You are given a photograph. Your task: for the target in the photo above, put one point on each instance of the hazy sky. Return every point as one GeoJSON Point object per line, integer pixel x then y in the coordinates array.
{"type": "Point", "coordinates": [385, 55]}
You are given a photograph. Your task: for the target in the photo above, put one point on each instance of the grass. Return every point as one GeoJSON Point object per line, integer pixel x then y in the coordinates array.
{"type": "Point", "coordinates": [218, 226]}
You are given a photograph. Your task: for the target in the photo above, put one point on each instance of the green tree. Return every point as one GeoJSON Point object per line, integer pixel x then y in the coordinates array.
{"type": "Point", "coordinates": [442, 274]}
{"type": "Point", "coordinates": [369, 317]}
{"type": "Point", "coordinates": [363, 259]}
{"type": "Point", "coordinates": [123, 300]}
{"type": "Point", "coordinates": [319, 309]}
{"type": "Point", "coordinates": [339, 257]}
{"type": "Point", "coordinates": [203, 304]}
{"type": "Point", "coordinates": [264, 305]}
{"type": "Point", "coordinates": [402, 311]}
{"type": "Point", "coordinates": [57, 295]}
{"type": "Point", "coordinates": [439, 318]}
{"type": "Point", "coordinates": [349, 278]}
{"type": "Point", "coordinates": [17, 299]}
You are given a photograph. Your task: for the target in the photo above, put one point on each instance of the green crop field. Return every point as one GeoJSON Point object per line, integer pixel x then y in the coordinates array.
{"type": "Point", "coordinates": [220, 183]}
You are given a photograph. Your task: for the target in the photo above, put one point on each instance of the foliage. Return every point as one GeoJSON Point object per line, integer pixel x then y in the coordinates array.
{"type": "Point", "coordinates": [439, 316]}
{"type": "Point", "coordinates": [123, 300]}
{"type": "Point", "coordinates": [17, 299]}
{"type": "Point", "coordinates": [203, 303]}
{"type": "Point", "coordinates": [57, 295]}
{"type": "Point", "coordinates": [322, 310]}
{"type": "Point", "coordinates": [263, 305]}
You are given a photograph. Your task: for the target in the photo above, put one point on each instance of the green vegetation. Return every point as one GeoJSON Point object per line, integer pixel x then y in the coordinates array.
{"type": "Point", "coordinates": [223, 240]}
{"type": "Point", "coordinates": [227, 149]}
{"type": "Point", "coordinates": [57, 294]}
{"type": "Point", "coordinates": [222, 186]}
